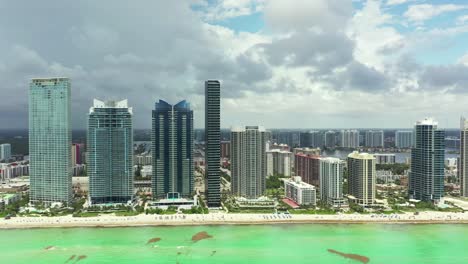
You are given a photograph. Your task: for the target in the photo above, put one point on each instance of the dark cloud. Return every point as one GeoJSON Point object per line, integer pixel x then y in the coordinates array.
{"type": "Point", "coordinates": [452, 77]}
{"type": "Point", "coordinates": [362, 77]}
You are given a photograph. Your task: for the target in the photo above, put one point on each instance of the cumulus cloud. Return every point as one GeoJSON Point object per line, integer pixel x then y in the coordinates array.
{"type": "Point", "coordinates": [398, 2]}
{"type": "Point", "coordinates": [226, 9]}
{"type": "Point", "coordinates": [422, 12]}
{"type": "Point", "coordinates": [320, 55]}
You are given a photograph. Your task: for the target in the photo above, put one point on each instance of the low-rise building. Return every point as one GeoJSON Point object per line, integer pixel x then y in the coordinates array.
{"type": "Point", "coordinates": [9, 171]}
{"type": "Point", "coordinates": [300, 192]}
{"type": "Point", "coordinates": [385, 158]}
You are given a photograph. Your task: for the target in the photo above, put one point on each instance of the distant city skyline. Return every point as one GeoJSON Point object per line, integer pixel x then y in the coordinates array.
{"type": "Point", "coordinates": [317, 64]}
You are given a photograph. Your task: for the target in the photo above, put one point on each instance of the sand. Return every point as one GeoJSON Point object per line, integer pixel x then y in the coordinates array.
{"type": "Point", "coordinates": [224, 219]}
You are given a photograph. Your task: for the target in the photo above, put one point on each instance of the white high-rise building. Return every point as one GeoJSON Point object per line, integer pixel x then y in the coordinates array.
{"type": "Point", "coordinates": [279, 162]}
{"type": "Point", "coordinates": [331, 181]}
{"type": "Point", "coordinates": [349, 139]}
{"type": "Point", "coordinates": [463, 162]}
{"type": "Point", "coordinates": [5, 152]}
{"type": "Point", "coordinates": [404, 139]}
{"type": "Point", "coordinates": [248, 161]}
{"type": "Point", "coordinates": [361, 177]}
{"type": "Point", "coordinates": [374, 138]}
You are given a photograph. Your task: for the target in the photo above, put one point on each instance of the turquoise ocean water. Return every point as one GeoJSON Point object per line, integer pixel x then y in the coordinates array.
{"type": "Point", "coordinates": [286, 244]}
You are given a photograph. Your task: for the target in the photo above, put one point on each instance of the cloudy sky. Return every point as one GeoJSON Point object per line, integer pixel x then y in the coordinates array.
{"type": "Point", "coordinates": [282, 63]}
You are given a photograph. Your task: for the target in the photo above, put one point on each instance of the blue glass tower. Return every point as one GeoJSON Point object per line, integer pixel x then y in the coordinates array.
{"type": "Point", "coordinates": [426, 178]}
{"type": "Point", "coordinates": [172, 150]}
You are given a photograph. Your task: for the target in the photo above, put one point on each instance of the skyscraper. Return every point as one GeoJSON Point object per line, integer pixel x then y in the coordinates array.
{"type": "Point", "coordinates": [5, 152]}
{"type": "Point", "coordinates": [331, 181]}
{"type": "Point", "coordinates": [361, 177]}
{"type": "Point", "coordinates": [110, 152]}
{"type": "Point", "coordinates": [312, 139]}
{"type": "Point", "coordinates": [463, 161]}
{"type": "Point", "coordinates": [172, 150]}
{"type": "Point", "coordinates": [212, 143]}
{"type": "Point", "coordinates": [426, 178]}
{"type": "Point", "coordinates": [374, 138]}
{"type": "Point", "coordinates": [308, 167]}
{"type": "Point", "coordinates": [404, 139]}
{"type": "Point", "coordinates": [330, 139]}
{"type": "Point", "coordinates": [248, 161]}
{"type": "Point", "coordinates": [349, 138]}
{"type": "Point", "coordinates": [50, 140]}
{"type": "Point", "coordinates": [279, 162]}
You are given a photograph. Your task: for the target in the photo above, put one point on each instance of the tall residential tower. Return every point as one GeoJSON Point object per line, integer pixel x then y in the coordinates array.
{"type": "Point", "coordinates": [331, 181]}
{"type": "Point", "coordinates": [110, 152]}
{"type": "Point", "coordinates": [248, 161]}
{"type": "Point", "coordinates": [361, 177]}
{"type": "Point", "coordinates": [50, 140]}
{"type": "Point", "coordinates": [172, 150]}
{"type": "Point", "coordinates": [213, 142]}
{"type": "Point", "coordinates": [463, 162]}
{"type": "Point", "coordinates": [5, 152]}
{"type": "Point", "coordinates": [426, 178]}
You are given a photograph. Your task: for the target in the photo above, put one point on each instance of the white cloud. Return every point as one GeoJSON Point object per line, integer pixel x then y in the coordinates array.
{"type": "Point", "coordinates": [464, 59]}
{"type": "Point", "coordinates": [398, 2]}
{"type": "Point", "coordinates": [324, 15]}
{"type": "Point", "coordinates": [225, 9]}
{"type": "Point", "coordinates": [375, 40]}
{"type": "Point", "coordinates": [462, 20]}
{"type": "Point", "coordinates": [423, 12]}
{"type": "Point", "coordinates": [315, 54]}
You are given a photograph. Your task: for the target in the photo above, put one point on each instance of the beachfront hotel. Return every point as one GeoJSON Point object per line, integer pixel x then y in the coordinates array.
{"type": "Point", "coordinates": [361, 178]}
{"type": "Point", "coordinates": [248, 161]}
{"type": "Point", "coordinates": [426, 177]}
{"type": "Point", "coordinates": [213, 142]}
{"type": "Point", "coordinates": [110, 152]}
{"type": "Point", "coordinates": [172, 150]}
{"type": "Point", "coordinates": [50, 140]}
{"type": "Point", "coordinates": [331, 181]}
{"type": "Point", "coordinates": [463, 162]}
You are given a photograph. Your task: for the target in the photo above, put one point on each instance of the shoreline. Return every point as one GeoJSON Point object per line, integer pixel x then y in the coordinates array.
{"type": "Point", "coordinates": [110, 221]}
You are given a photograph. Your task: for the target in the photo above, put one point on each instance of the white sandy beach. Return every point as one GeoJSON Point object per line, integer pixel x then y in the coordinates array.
{"type": "Point", "coordinates": [226, 219]}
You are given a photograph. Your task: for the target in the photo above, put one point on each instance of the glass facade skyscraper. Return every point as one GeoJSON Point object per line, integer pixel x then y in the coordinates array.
{"type": "Point", "coordinates": [426, 178]}
{"type": "Point", "coordinates": [463, 160]}
{"type": "Point", "coordinates": [212, 142]}
{"type": "Point", "coordinates": [110, 152]}
{"type": "Point", "coordinates": [50, 140]}
{"type": "Point", "coordinates": [172, 150]}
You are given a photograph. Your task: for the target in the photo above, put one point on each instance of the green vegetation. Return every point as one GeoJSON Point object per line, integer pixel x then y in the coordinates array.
{"type": "Point", "coordinates": [273, 182]}
{"type": "Point", "coordinates": [13, 208]}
